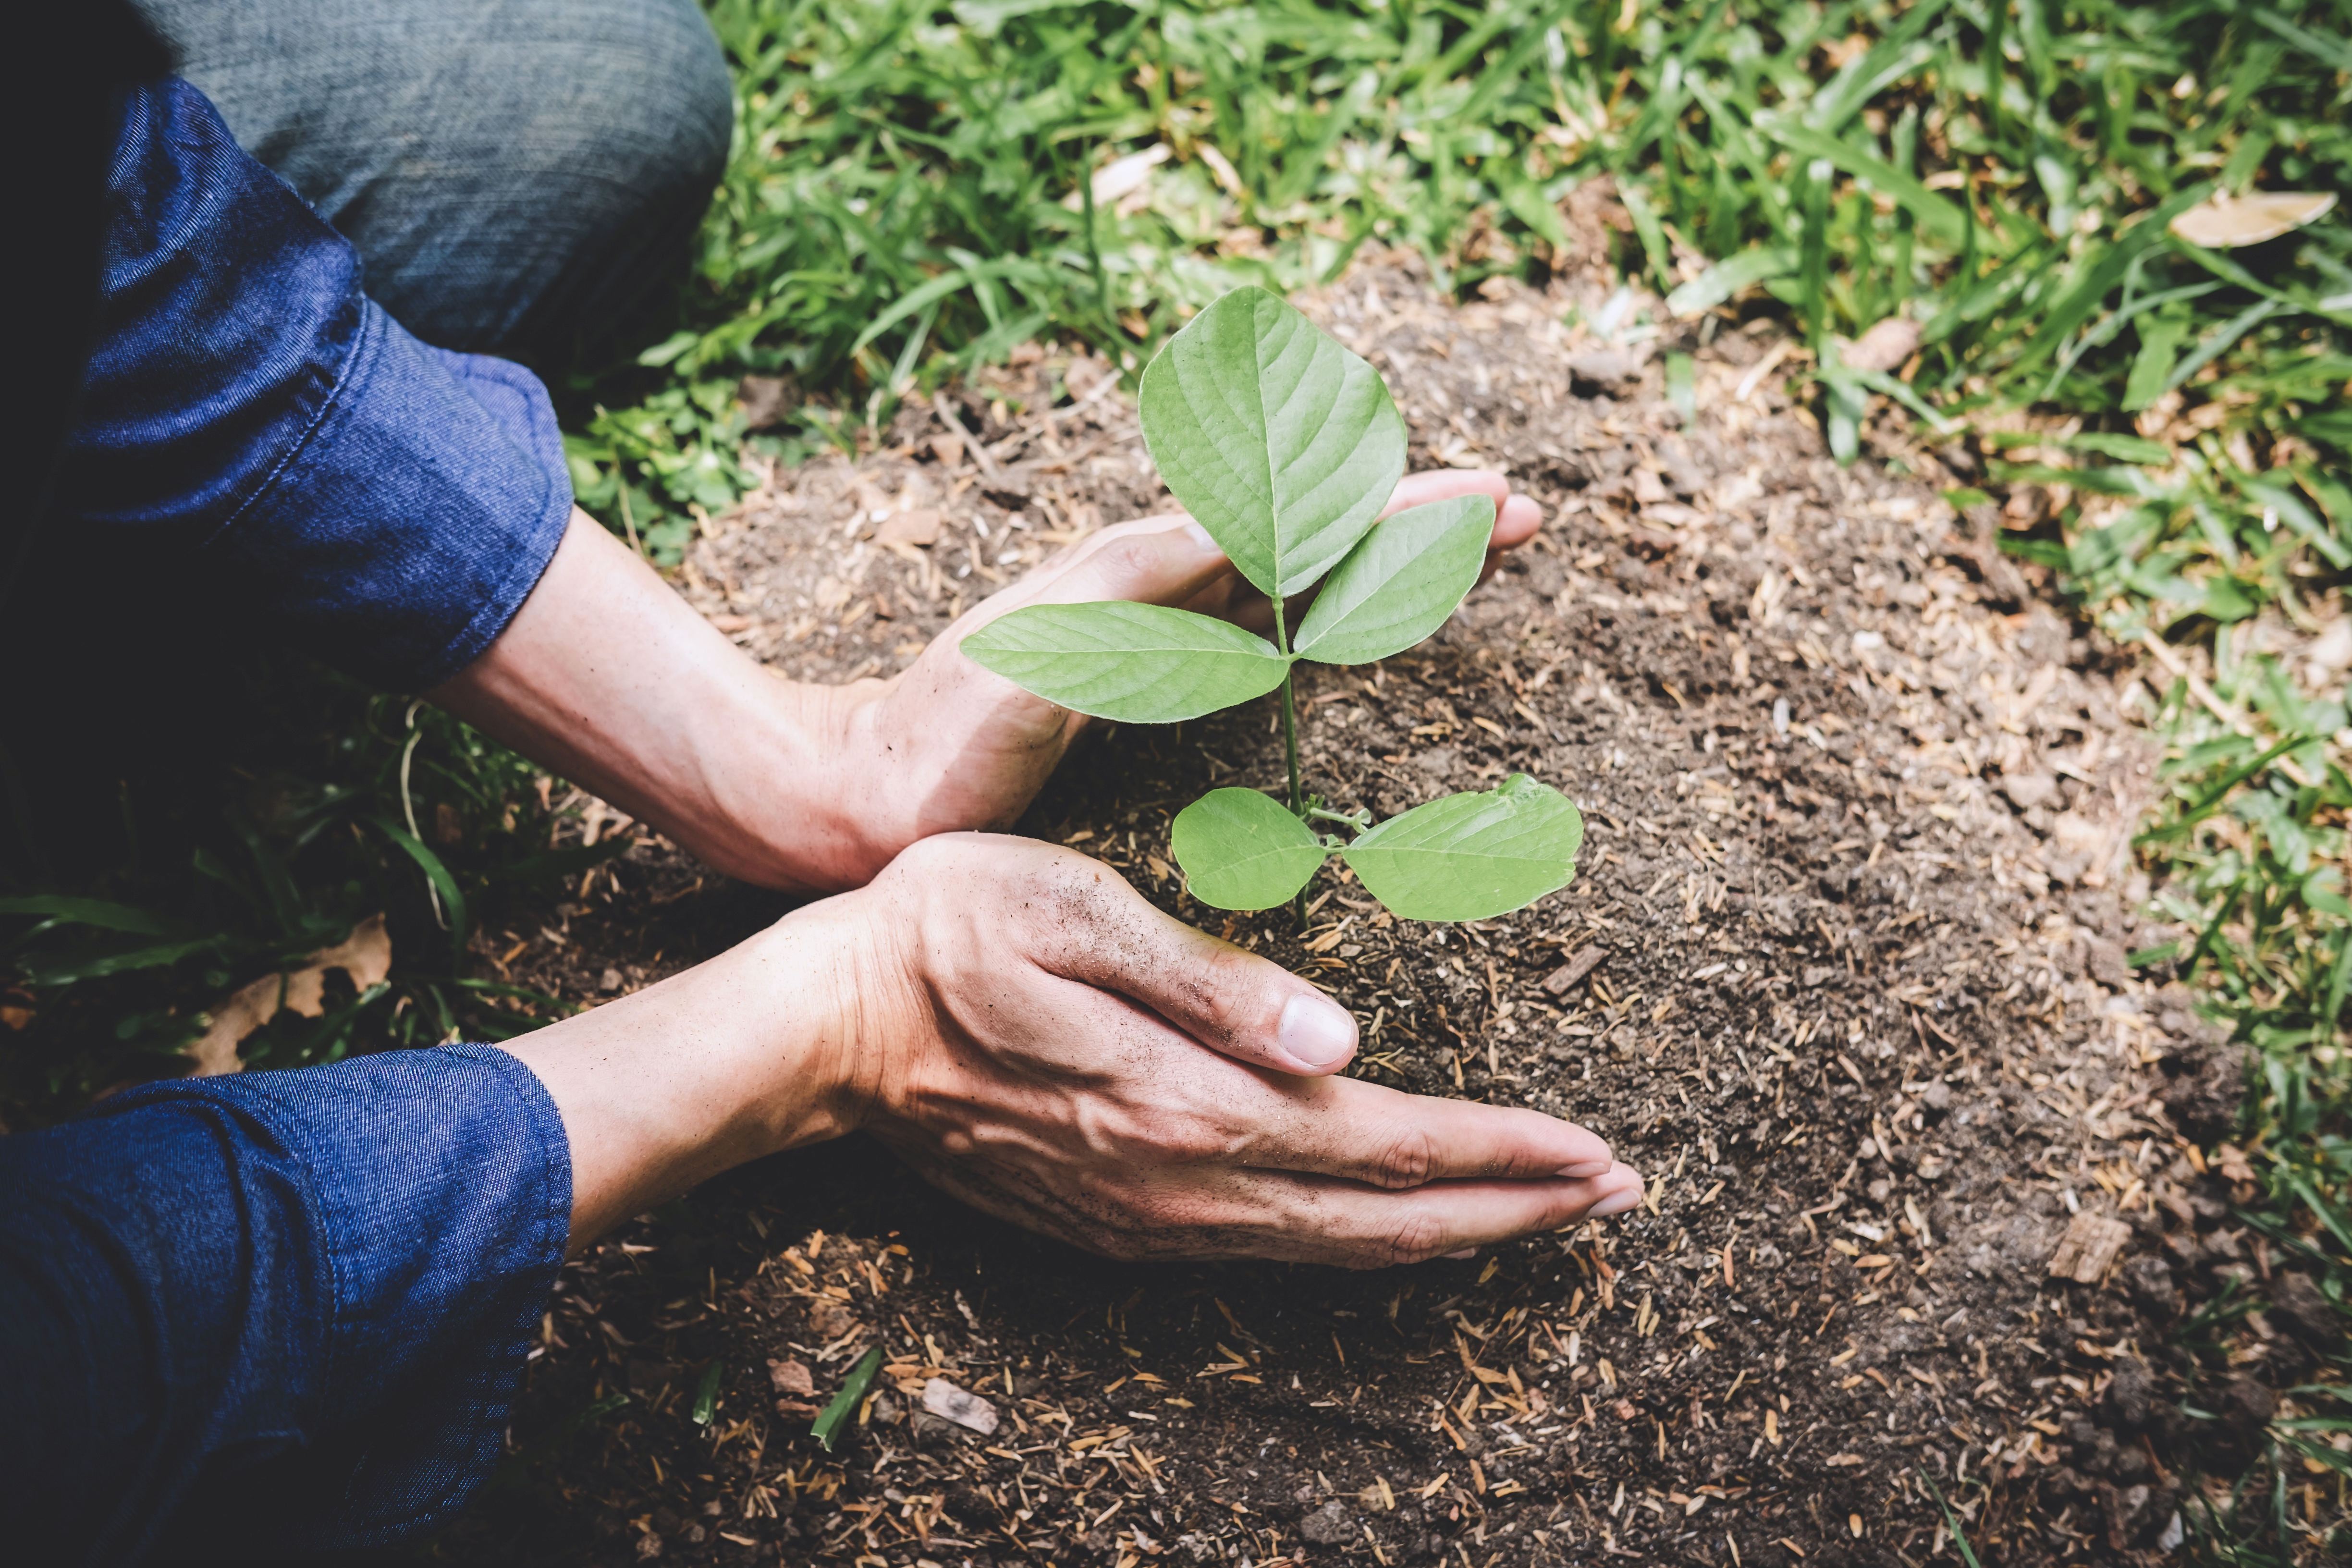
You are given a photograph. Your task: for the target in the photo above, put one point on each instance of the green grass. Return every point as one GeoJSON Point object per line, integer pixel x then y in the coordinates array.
{"type": "Point", "coordinates": [906, 200]}
{"type": "Point", "coordinates": [241, 865]}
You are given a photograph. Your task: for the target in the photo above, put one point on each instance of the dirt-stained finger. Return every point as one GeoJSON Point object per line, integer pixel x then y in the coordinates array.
{"type": "Point", "coordinates": [1361, 1228]}
{"type": "Point", "coordinates": [1385, 1138]}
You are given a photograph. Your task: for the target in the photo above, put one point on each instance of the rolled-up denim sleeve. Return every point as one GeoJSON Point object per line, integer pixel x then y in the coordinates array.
{"type": "Point", "coordinates": [252, 422]}
{"type": "Point", "coordinates": [294, 1307]}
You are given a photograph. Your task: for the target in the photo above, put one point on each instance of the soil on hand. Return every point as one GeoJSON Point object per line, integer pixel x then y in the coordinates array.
{"type": "Point", "coordinates": [1843, 972]}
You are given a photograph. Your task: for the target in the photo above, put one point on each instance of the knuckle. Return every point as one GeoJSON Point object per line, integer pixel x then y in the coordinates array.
{"type": "Point", "coordinates": [1193, 1142]}
{"type": "Point", "coordinates": [1127, 556]}
{"type": "Point", "coordinates": [1407, 1160]}
{"type": "Point", "coordinates": [1179, 1135]}
{"type": "Point", "coordinates": [1413, 1238]}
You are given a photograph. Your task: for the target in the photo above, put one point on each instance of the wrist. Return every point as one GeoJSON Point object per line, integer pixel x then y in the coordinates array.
{"type": "Point", "coordinates": [836, 1006]}
{"type": "Point", "coordinates": [783, 1040]}
{"type": "Point", "coordinates": [782, 792]}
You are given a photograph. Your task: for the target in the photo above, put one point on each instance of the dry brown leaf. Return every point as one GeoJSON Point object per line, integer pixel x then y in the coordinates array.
{"type": "Point", "coordinates": [767, 400]}
{"type": "Point", "coordinates": [918, 525]}
{"type": "Point", "coordinates": [1122, 176]}
{"type": "Point", "coordinates": [365, 956]}
{"type": "Point", "coordinates": [1584, 962]}
{"type": "Point", "coordinates": [1223, 169]}
{"type": "Point", "coordinates": [1885, 347]}
{"type": "Point", "coordinates": [2090, 1243]}
{"type": "Point", "coordinates": [2222, 222]}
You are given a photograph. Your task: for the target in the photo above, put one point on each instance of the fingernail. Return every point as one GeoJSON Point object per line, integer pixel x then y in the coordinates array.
{"type": "Point", "coordinates": [1317, 1033]}
{"type": "Point", "coordinates": [1584, 1170]}
{"type": "Point", "coordinates": [1201, 540]}
{"type": "Point", "coordinates": [1465, 1252]}
{"type": "Point", "coordinates": [1614, 1204]}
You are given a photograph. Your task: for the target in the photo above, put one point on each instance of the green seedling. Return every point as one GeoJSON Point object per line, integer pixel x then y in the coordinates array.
{"type": "Point", "coordinates": [843, 1405]}
{"type": "Point", "coordinates": [1285, 447]}
{"type": "Point", "coordinates": [706, 1396]}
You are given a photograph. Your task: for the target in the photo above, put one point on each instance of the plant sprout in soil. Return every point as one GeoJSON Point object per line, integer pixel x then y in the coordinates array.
{"type": "Point", "coordinates": [1285, 447]}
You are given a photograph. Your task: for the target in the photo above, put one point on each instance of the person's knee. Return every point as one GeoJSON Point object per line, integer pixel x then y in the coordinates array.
{"type": "Point", "coordinates": [517, 173]}
{"type": "Point", "coordinates": [654, 108]}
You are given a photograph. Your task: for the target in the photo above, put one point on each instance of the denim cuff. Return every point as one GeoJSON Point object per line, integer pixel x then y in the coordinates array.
{"type": "Point", "coordinates": [440, 1183]}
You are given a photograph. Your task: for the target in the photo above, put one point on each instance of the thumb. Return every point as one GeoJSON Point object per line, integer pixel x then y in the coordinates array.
{"type": "Point", "coordinates": [1233, 1001]}
{"type": "Point", "coordinates": [1153, 561]}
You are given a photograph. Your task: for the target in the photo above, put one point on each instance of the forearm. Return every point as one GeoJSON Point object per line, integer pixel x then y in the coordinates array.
{"type": "Point", "coordinates": [774, 1043]}
{"type": "Point", "coordinates": [609, 679]}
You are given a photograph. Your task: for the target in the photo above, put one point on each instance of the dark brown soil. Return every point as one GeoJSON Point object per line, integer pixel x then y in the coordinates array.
{"type": "Point", "coordinates": [1858, 884]}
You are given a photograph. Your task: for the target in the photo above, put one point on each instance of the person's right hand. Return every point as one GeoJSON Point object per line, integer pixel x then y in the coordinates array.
{"type": "Point", "coordinates": [1038, 1040]}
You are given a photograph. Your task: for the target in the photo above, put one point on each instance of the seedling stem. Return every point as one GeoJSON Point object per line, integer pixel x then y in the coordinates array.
{"type": "Point", "coordinates": [1290, 740]}
{"type": "Point", "coordinates": [1289, 719]}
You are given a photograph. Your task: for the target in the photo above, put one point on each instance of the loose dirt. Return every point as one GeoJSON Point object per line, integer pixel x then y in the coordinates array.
{"type": "Point", "coordinates": [1843, 971]}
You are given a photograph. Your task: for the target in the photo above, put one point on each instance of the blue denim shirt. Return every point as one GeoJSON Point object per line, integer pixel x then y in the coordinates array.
{"type": "Point", "coordinates": [272, 1314]}
{"type": "Point", "coordinates": [252, 418]}
{"type": "Point", "coordinates": [282, 1311]}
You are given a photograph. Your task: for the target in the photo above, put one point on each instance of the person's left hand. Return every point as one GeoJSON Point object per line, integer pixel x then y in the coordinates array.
{"type": "Point", "coordinates": [1025, 1030]}
{"type": "Point", "coordinates": [962, 748]}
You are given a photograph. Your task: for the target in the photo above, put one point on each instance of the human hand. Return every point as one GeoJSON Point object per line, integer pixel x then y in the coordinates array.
{"type": "Point", "coordinates": [606, 677]}
{"type": "Point", "coordinates": [962, 748]}
{"type": "Point", "coordinates": [1039, 1041]}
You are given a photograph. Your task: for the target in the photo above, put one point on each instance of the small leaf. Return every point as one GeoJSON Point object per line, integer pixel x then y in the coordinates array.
{"type": "Point", "coordinates": [706, 1395]}
{"type": "Point", "coordinates": [1468, 856]}
{"type": "Point", "coordinates": [828, 1424]}
{"type": "Point", "coordinates": [1281, 443]}
{"type": "Point", "coordinates": [64, 911]}
{"type": "Point", "coordinates": [1138, 664]}
{"type": "Point", "coordinates": [1240, 850]}
{"type": "Point", "coordinates": [1399, 583]}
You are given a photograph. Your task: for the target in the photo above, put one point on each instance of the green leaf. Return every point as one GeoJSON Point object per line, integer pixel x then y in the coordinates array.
{"type": "Point", "coordinates": [1935, 214]}
{"type": "Point", "coordinates": [1468, 856]}
{"type": "Point", "coordinates": [2126, 449]}
{"type": "Point", "coordinates": [1682, 384]}
{"type": "Point", "coordinates": [1281, 443]}
{"type": "Point", "coordinates": [452, 901]}
{"type": "Point", "coordinates": [706, 1395]}
{"type": "Point", "coordinates": [73, 971]}
{"type": "Point", "coordinates": [1728, 277]}
{"type": "Point", "coordinates": [669, 348]}
{"type": "Point", "coordinates": [1400, 583]}
{"type": "Point", "coordinates": [1240, 850]}
{"type": "Point", "coordinates": [828, 1424]}
{"type": "Point", "coordinates": [1138, 664]}
{"type": "Point", "coordinates": [62, 911]}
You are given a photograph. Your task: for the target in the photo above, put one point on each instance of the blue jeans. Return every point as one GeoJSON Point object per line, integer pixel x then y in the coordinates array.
{"type": "Point", "coordinates": [519, 176]}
